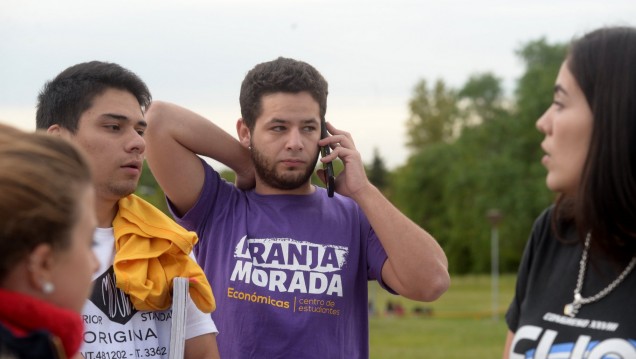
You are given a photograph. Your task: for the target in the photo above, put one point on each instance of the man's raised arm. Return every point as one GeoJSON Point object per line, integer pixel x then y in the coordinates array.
{"type": "Point", "coordinates": [174, 138]}
{"type": "Point", "coordinates": [417, 267]}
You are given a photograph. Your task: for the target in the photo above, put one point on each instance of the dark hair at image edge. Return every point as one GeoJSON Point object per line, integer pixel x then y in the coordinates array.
{"type": "Point", "coordinates": [63, 99]}
{"type": "Point", "coordinates": [602, 62]}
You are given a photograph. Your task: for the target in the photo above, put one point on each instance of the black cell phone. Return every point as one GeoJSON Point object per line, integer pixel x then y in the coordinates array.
{"type": "Point", "coordinates": [328, 167]}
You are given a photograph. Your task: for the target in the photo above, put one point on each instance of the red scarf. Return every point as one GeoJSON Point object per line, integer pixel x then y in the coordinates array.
{"type": "Point", "coordinates": [22, 314]}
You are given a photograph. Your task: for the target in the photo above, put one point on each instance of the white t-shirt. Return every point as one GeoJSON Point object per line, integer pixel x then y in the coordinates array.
{"type": "Point", "coordinates": [113, 329]}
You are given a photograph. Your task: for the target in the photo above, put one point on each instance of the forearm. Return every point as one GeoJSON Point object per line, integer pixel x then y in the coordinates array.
{"type": "Point", "coordinates": [202, 347]}
{"type": "Point", "coordinates": [509, 337]}
{"type": "Point", "coordinates": [170, 122]}
{"type": "Point", "coordinates": [417, 267]}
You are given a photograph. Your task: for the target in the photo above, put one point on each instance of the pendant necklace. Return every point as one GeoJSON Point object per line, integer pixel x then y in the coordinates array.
{"type": "Point", "coordinates": [573, 308]}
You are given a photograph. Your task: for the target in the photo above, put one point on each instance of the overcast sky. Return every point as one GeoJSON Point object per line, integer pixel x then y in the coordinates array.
{"type": "Point", "coordinates": [372, 52]}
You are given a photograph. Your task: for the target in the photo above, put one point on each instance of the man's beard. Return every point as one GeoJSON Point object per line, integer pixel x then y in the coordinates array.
{"type": "Point", "coordinates": [286, 181]}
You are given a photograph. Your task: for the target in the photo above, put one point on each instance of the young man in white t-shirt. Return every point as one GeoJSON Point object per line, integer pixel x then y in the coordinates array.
{"type": "Point", "coordinates": [100, 106]}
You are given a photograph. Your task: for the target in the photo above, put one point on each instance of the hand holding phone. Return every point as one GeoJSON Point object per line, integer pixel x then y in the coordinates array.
{"type": "Point", "coordinates": [328, 167]}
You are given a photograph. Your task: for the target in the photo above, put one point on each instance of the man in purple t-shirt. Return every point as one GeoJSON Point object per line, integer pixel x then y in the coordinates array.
{"type": "Point", "coordinates": [289, 265]}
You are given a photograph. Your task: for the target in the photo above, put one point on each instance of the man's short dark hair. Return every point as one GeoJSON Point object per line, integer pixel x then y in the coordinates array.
{"type": "Point", "coordinates": [280, 75]}
{"type": "Point", "coordinates": [63, 99]}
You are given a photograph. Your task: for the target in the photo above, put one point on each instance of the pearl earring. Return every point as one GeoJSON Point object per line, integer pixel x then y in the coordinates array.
{"type": "Point", "coordinates": [48, 287]}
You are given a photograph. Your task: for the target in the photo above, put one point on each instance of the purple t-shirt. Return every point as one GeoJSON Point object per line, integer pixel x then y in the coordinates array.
{"type": "Point", "coordinates": [289, 272]}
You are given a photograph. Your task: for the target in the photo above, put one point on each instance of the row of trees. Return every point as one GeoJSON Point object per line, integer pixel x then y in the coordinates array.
{"type": "Point", "coordinates": [472, 150]}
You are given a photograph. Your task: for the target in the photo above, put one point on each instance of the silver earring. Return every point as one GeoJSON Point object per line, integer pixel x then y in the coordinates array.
{"type": "Point", "coordinates": [249, 148]}
{"type": "Point", "coordinates": [48, 287]}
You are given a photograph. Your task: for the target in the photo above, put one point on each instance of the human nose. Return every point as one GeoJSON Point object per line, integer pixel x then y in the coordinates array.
{"type": "Point", "coordinates": [544, 123]}
{"type": "Point", "coordinates": [294, 141]}
{"type": "Point", "coordinates": [136, 143]}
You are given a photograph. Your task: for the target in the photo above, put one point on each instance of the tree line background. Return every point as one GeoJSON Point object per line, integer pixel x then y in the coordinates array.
{"type": "Point", "coordinates": [472, 149]}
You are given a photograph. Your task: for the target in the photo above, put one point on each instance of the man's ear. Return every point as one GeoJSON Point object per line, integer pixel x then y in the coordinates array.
{"type": "Point", "coordinates": [243, 132]}
{"type": "Point", "coordinates": [56, 130]}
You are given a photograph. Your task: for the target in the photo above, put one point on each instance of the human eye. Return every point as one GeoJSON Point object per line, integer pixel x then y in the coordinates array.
{"type": "Point", "coordinates": [141, 131]}
{"type": "Point", "coordinates": [557, 104]}
{"type": "Point", "coordinates": [309, 128]}
{"type": "Point", "coordinates": [278, 128]}
{"type": "Point", "coordinates": [113, 126]}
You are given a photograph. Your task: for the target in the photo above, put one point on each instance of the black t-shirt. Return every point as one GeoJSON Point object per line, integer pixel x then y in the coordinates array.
{"type": "Point", "coordinates": [545, 284]}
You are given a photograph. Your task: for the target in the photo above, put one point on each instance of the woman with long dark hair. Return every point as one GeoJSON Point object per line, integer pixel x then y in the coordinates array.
{"type": "Point", "coordinates": [575, 289]}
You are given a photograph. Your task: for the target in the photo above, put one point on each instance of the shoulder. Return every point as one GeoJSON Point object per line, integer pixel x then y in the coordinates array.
{"type": "Point", "coordinates": [544, 219]}
{"type": "Point", "coordinates": [340, 205]}
{"type": "Point", "coordinates": [542, 226]}
{"type": "Point", "coordinates": [215, 190]}
{"type": "Point", "coordinates": [544, 235]}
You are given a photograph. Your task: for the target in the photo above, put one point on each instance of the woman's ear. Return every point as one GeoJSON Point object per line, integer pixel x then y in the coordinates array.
{"type": "Point", "coordinates": [41, 263]}
{"type": "Point", "coordinates": [244, 134]}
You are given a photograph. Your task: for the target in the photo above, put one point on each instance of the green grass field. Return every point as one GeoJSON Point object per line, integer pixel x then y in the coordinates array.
{"type": "Point", "coordinates": [461, 323]}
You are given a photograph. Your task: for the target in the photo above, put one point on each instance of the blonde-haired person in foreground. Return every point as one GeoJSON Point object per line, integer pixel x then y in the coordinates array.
{"type": "Point", "coordinates": [47, 220]}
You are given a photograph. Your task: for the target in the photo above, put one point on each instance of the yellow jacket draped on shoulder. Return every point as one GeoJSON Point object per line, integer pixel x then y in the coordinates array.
{"type": "Point", "coordinates": [150, 250]}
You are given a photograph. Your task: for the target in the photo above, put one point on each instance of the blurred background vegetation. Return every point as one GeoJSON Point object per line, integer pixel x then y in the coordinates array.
{"type": "Point", "coordinates": [472, 149]}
